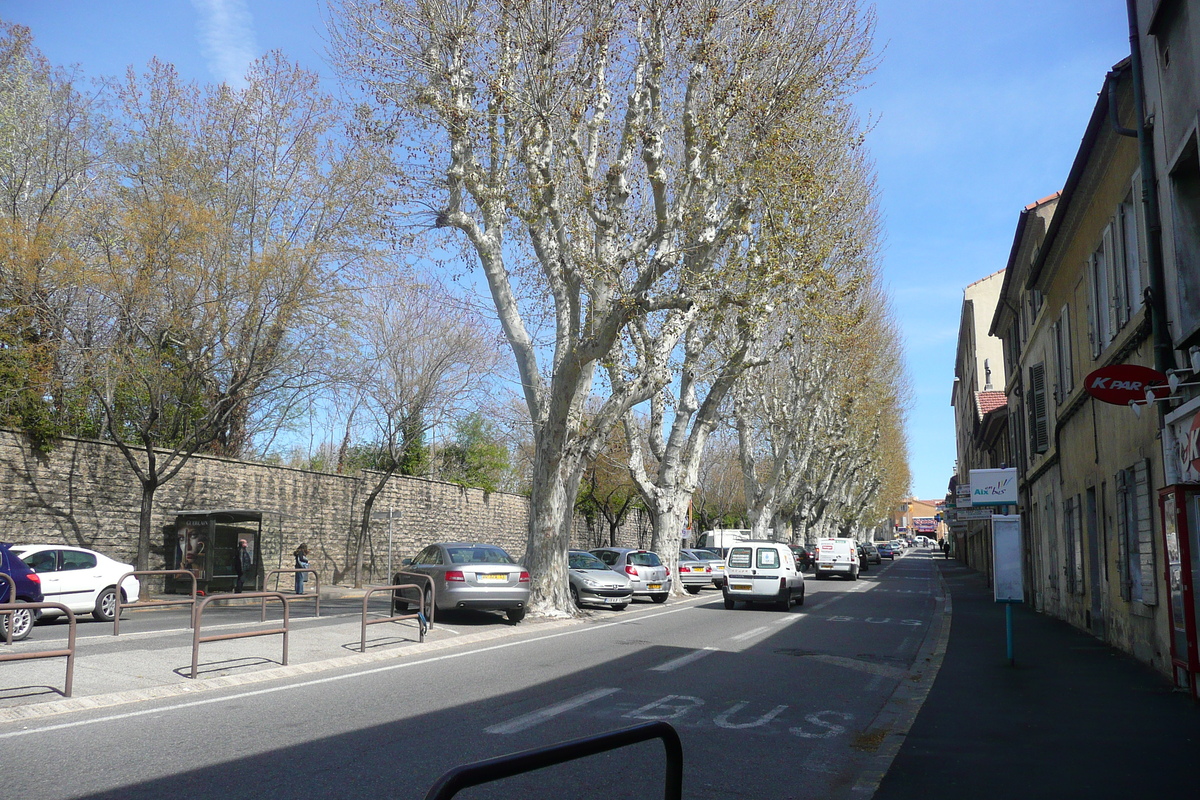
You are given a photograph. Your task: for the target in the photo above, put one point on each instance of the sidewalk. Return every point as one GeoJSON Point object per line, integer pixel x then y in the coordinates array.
{"type": "Point", "coordinates": [1073, 718]}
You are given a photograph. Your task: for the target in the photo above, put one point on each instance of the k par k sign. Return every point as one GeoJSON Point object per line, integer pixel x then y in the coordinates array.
{"type": "Point", "coordinates": [993, 487]}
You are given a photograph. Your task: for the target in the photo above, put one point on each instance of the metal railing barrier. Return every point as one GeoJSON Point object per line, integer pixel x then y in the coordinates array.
{"type": "Point", "coordinates": [294, 597]}
{"type": "Point", "coordinates": [69, 653]}
{"type": "Point", "coordinates": [197, 639]}
{"type": "Point", "coordinates": [495, 769]}
{"type": "Point", "coordinates": [431, 611]}
{"type": "Point", "coordinates": [191, 601]}
{"type": "Point", "coordinates": [422, 626]}
{"type": "Point", "coordinates": [12, 598]}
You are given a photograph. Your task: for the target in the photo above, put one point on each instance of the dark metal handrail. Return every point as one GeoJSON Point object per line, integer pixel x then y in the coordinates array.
{"type": "Point", "coordinates": [419, 616]}
{"type": "Point", "coordinates": [430, 612]}
{"type": "Point", "coordinates": [191, 601]}
{"type": "Point", "coordinates": [495, 769]}
{"type": "Point", "coordinates": [295, 597]}
{"type": "Point", "coordinates": [69, 653]}
{"type": "Point", "coordinates": [197, 638]}
{"type": "Point", "coordinates": [12, 598]}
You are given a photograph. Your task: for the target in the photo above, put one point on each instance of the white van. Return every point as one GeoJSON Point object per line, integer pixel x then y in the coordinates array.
{"type": "Point", "coordinates": [762, 572]}
{"type": "Point", "coordinates": [837, 557]}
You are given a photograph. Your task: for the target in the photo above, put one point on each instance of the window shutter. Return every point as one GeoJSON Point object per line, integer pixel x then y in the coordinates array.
{"type": "Point", "coordinates": [1064, 329]}
{"type": "Point", "coordinates": [1068, 543]}
{"type": "Point", "coordinates": [1123, 566]}
{"type": "Point", "coordinates": [1145, 533]}
{"type": "Point", "coordinates": [1038, 418]}
{"type": "Point", "coordinates": [1093, 296]}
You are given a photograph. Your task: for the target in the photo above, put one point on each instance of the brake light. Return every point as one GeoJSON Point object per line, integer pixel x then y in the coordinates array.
{"type": "Point", "coordinates": [455, 575]}
{"type": "Point", "coordinates": [524, 577]}
{"type": "Point", "coordinates": [668, 569]}
{"type": "Point", "coordinates": [33, 576]}
{"type": "Point", "coordinates": [631, 570]}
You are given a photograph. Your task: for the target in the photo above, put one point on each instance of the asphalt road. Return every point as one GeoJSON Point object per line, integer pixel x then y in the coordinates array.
{"type": "Point", "coordinates": [768, 704]}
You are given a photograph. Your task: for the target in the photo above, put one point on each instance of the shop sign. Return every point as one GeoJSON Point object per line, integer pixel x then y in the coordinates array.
{"type": "Point", "coordinates": [975, 513]}
{"type": "Point", "coordinates": [993, 487]}
{"type": "Point", "coordinates": [962, 495]}
{"type": "Point", "coordinates": [1189, 445]}
{"type": "Point", "coordinates": [1121, 384]}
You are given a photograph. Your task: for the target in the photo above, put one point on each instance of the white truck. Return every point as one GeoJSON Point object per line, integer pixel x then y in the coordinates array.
{"type": "Point", "coordinates": [837, 557]}
{"type": "Point", "coordinates": [720, 540]}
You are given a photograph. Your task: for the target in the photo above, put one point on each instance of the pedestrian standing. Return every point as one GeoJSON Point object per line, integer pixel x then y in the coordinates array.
{"type": "Point", "coordinates": [946, 548]}
{"type": "Point", "coordinates": [243, 564]}
{"type": "Point", "coordinates": [301, 555]}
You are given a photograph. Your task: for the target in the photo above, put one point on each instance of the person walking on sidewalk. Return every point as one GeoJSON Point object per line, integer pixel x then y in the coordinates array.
{"type": "Point", "coordinates": [301, 555]}
{"type": "Point", "coordinates": [946, 548]}
{"type": "Point", "coordinates": [242, 564]}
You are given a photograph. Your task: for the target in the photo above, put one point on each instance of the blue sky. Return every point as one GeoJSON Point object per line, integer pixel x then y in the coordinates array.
{"type": "Point", "coordinates": [980, 107]}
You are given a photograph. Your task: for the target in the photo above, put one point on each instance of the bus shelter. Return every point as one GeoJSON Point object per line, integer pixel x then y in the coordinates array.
{"type": "Point", "coordinates": [204, 542]}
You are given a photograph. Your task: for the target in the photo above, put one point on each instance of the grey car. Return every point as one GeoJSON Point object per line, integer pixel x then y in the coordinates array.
{"type": "Point", "coordinates": [470, 575]}
{"type": "Point", "coordinates": [593, 583]}
{"type": "Point", "coordinates": [713, 560]}
{"type": "Point", "coordinates": [694, 574]}
{"type": "Point", "coordinates": [650, 578]}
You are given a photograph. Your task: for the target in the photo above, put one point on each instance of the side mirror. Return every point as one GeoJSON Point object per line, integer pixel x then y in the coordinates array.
{"type": "Point", "coordinates": [406, 562]}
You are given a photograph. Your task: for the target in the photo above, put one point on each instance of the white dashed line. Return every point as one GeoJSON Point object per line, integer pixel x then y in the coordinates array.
{"type": "Point", "coordinates": [750, 633]}
{"type": "Point", "coordinates": [684, 660]}
{"type": "Point", "coordinates": [541, 715]}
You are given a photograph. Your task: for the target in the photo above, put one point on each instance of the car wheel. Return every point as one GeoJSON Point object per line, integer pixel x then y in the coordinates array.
{"type": "Point", "coordinates": [515, 615]}
{"type": "Point", "coordinates": [659, 598]}
{"type": "Point", "coordinates": [106, 605]}
{"type": "Point", "coordinates": [429, 602]}
{"type": "Point", "coordinates": [575, 597]}
{"type": "Point", "coordinates": [800, 602]}
{"type": "Point", "coordinates": [854, 575]}
{"type": "Point", "coordinates": [693, 589]}
{"type": "Point", "coordinates": [728, 600]}
{"type": "Point", "coordinates": [21, 621]}
{"type": "Point", "coordinates": [784, 603]}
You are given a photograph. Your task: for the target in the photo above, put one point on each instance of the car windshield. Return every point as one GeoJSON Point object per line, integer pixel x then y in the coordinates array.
{"type": "Point", "coordinates": [585, 561]}
{"type": "Point", "coordinates": [482, 554]}
{"type": "Point", "coordinates": [684, 555]}
{"type": "Point", "coordinates": [740, 556]}
{"type": "Point", "coordinates": [707, 555]}
{"type": "Point", "coordinates": [644, 560]}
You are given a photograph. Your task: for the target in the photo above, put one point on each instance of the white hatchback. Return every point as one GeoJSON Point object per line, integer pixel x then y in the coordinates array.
{"type": "Point", "coordinates": [762, 572]}
{"type": "Point", "coordinates": [82, 580]}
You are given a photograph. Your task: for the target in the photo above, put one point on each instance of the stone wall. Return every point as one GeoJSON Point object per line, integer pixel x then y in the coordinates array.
{"type": "Point", "coordinates": [84, 493]}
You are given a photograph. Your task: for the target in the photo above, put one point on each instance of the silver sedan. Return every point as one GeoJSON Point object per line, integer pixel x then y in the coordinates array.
{"type": "Point", "coordinates": [467, 575]}
{"type": "Point", "coordinates": [593, 583]}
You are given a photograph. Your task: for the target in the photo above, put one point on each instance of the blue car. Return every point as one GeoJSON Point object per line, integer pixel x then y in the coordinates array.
{"type": "Point", "coordinates": [29, 590]}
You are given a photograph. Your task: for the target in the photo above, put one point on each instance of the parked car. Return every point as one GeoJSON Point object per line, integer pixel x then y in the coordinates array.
{"type": "Point", "coordinates": [469, 575]}
{"type": "Point", "coordinates": [650, 577]}
{"type": "Point", "coordinates": [28, 586]}
{"type": "Point", "coordinates": [804, 557]}
{"type": "Point", "coordinates": [82, 580]}
{"type": "Point", "coordinates": [863, 563]}
{"type": "Point", "coordinates": [714, 560]}
{"type": "Point", "coordinates": [694, 574]}
{"type": "Point", "coordinates": [763, 572]}
{"type": "Point", "coordinates": [872, 552]}
{"type": "Point", "coordinates": [592, 582]}
{"type": "Point", "coordinates": [887, 550]}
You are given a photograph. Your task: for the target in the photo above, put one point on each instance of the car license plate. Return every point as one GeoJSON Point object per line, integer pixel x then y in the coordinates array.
{"type": "Point", "coordinates": [654, 586]}
{"type": "Point", "coordinates": [742, 587]}
{"type": "Point", "coordinates": [493, 576]}
{"type": "Point", "coordinates": [614, 600]}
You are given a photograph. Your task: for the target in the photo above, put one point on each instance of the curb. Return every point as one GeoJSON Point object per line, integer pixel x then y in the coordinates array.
{"type": "Point", "coordinates": [893, 722]}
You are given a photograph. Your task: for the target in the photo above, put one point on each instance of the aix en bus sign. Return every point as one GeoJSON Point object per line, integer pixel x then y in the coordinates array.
{"type": "Point", "coordinates": [1121, 384]}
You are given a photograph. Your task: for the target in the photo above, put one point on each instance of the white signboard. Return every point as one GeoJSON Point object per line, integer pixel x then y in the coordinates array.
{"type": "Point", "coordinates": [965, 514]}
{"type": "Point", "coordinates": [962, 495]}
{"type": "Point", "coordinates": [993, 487]}
{"type": "Point", "coordinates": [1009, 583]}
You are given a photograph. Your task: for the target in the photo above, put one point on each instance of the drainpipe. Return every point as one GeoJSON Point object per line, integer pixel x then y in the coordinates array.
{"type": "Point", "coordinates": [1164, 352]}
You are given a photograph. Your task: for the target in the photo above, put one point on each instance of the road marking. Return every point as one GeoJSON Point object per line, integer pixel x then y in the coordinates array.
{"type": "Point", "coordinates": [750, 633]}
{"type": "Point", "coordinates": [673, 706]}
{"type": "Point", "coordinates": [788, 620]}
{"type": "Point", "coordinates": [722, 719]}
{"type": "Point", "coordinates": [541, 715]}
{"type": "Point", "coordinates": [830, 729]}
{"type": "Point", "coordinates": [337, 678]}
{"type": "Point", "coordinates": [684, 660]}
{"type": "Point", "coordinates": [868, 667]}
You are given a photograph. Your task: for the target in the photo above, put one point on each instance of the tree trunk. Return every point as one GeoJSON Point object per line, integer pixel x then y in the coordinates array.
{"type": "Point", "coordinates": [365, 528]}
{"type": "Point", "coordinates": [550, 521]}
{"type": "Point", "coordinates": [145, 518]}
{"type": "Point", "coordinates": [669, 519]}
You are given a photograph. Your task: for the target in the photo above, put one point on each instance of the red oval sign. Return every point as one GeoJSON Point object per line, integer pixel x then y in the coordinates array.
{"type": "Point", "coordinates": [1120, 383]}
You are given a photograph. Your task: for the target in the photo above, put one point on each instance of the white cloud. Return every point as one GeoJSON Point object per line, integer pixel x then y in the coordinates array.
{"type": "Point", "coordinates": [227, 37]}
